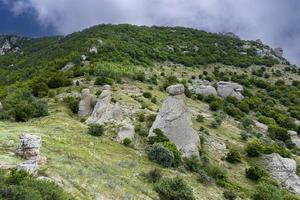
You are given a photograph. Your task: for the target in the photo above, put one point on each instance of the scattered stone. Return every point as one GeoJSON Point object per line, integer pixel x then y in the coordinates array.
{"type": "Point", "coordinates": [284, 171]}
{"type": "Point", "coordinates": [30, 166]}
{"type": "Point", "coordinates": [175, 89]}
{"type": "Point", "coordinates": [174, 119]}
{"type": "Point", "coordinates": [105, 111]}
{"type": "Point", "coordinates": [294, 137]}
{"type": "Point", "coordinates": [203, 87]}
{"type": "Point", "coordinates": [126, 131]}
{"type": "Point", "coordinates": [93, 50]}
{"type": "Point", "coordinates": [68, 66]}
{"type": "Point", "coordinates": [262, 127]}
{"type": "Point", "coordinates": [29, 147]}
{"type": "Point", "coordinates": [278, 52]}
{"type": "Point", "coordinates": [85, 104]}
{"type": "Point", "coordinates": [226, 89]}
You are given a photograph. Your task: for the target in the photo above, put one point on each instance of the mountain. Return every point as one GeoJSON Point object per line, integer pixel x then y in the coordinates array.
{"type": "Point", "coordinates": [136, 112]}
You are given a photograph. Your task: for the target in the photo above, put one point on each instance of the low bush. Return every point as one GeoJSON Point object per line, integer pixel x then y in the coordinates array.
{"type": "Point", "coordinates": [266, 191]}
{"type": "Point", "coordinates": [96, 130]}
{"type": "Point", "coordinates": [254, 148]}
{"type": "Point", "coordinates": [161, 155]}
{"type": "Point", "coordinates": [233, 156]}
{"type": "Point", "coordinates": [72, 103]}
{"type": "Point", "coordinates": [200, 118]}
{"type": "Point", "coordinates": [177, 154]}
{"type": "Point", "coordinates": [229, 194]}
{"type": "Point", "coordinates": [173, 189]}
{"type": "Point", "coordinates": [127, 142]}
{"type": "Point", "coordinates": [216, 172]}
{"type": "Point", "coordinates": [153, 175]}
{"type": "Point", "coordinates": [159, 137]}
{"type": "Point", "coordinates": [147, 95]}
{"type": "Point", "coordinates": [203, 177]}
{"type": "Point", "coordinates": [255, 172]}
{"type": "Point", "coordinates": [103, 81]}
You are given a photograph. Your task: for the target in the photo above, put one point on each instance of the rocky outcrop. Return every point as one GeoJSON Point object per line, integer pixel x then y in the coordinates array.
{"type": "Point", "coordinates": [284, 171]}
{"type": "Point", "coordinates": [262, 127]}
{"type": "Point", "coordinates": [203, 87]}
{"type": "Point", "coordinates": [278, 52]}
{"type": "Point", "coordinates": [126, 131]}
{"type": "Point", "coordinates": [29, 146]}
{"type": "Point", "coordinates": [174, 119]}
{"type": "Point", "coordinates": [30, 166]}
{"type": "Point", "coordinates": [294, 137]}
{"type": "Point", "coordinates": [226, 89]}
{"type": "Point", "coordinates": [8, 45]}
{"type": "Point", "coordinates": [93, 50]}
{"type": "Point", "coordinates": [105, 111]}
{"type": "Point", "coordinates": [85, 104]}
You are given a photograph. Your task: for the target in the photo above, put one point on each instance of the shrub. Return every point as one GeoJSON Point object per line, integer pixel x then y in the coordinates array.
{"type": "Point", "coordinates": [217, 172]}
{"type": "Point", "coordinates": [265, 191]}
{"type": "Point", "coordinates": [58, 80]}
{"type": "Point", "coordinates": [200, 118]}
{"type": "Point", "coordinates": [40, 89]}
{"type": "Point", "coordinates": [154, 175]}
{"type": "Point", "coordinates": [147, 95]}
{"type": "Point", "coordinates": [192, 164]}
{"type": "Point", "coordinates": [159, 137]}
{"type": "Point", "coordinates": [215, 105]}
{"type": "Point", "coordinates": [153, 100]}
{"type": "Point", "coordinates": [255, 172]}
{"type": "Point", "coordinates": [73, 103]}
{"type": "Point", "coordinates": [230, 195]}
{"type": "Point", "coordinates": [177, 154]}
{"type": "Point", "coordinates": [233, 156]}
{"type": "Point", "coordinates": [127, 142]}
{"type": "Point", "coordinates": [254, 148]}
{"type": "Point", "coordinates": [173, 189]}
{"type": "Point", "coordinates": [103, 81]}
{"type": "Point", "coordinates": [203, 177]}
{"type": "Point", "coordinates": [161, 155]}
{"type": "Point", "coordinates": [278, 133]}
{"type": "Point", "coordinates": [247, 122]}
{"type": "Point", "coordinates": [96, 130]}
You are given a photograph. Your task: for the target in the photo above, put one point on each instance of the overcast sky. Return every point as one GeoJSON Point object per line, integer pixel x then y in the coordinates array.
{"type": "Point", "coordinates": [275, 22]}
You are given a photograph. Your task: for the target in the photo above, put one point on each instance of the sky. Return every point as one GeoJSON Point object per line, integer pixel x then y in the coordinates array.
{"type": "Point", "coordinates": [275, 22]}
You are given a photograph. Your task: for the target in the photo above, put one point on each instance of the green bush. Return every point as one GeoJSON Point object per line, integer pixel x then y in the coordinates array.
{"type": "Point", "coordinates": [229, 194]}
{"type": "Point", "coordinates": [59, 80]}
{"type": "Point", "coordinates": [233, 156]}
{"type": "Point", "coordinates": [161, 155]}
{"type": "Point", "coordinates": [266, 191]}
{"type": "Point", "coordinates": [103, 81]}
{"type": "Point", "coordinates": [177, 154]}
{"type": "Point", "coordinates": [255, 172]}
{"type": "Point", "coordinates": [147, 95]}
{"type": "Point", "coordinates": [173, 189]}
{"type": "Point", "coordinates": [154, 175]}
{"type": "Point", "coordinates": [203, 177]}
{"type": "Point", "coordinates": [192, 164]}
{"type": "Point", "coordinates": [200, 118]}
{"type": "Point", "coordinates": [96, 130]}
{"type": "Point", "coordinates": [278, 133]}
{"type": "Point", "coordinates": [39, 89]}
{"type": "Point", "coordinates": [127, 142]}
{"type": "Point", "coordinates": [216, 172]}
{"type": "Point", "coordinates": [254, 148]}
{"type": "Point", "coordinates": [159, 137]}
{"type": "Point", "coordinates": [73, 103]}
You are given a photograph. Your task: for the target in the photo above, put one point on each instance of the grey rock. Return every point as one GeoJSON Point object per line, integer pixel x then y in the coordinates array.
{"type": "Point", "coordinates": [226, 89]}
{"type": "Point", "coordinates": [30, 166]}
{"type": "Point", "coordinates": [105, 111]}
{"type": "Point", "coordinates": [174, 119]}
{"type": "Point", "coordinates": [93, 50]}
{"type": "Point", "coordinates": [297, 122]}
{"type": "Point", "coordinates": [1, 106]}
{"type": "Point", "coordinates": [231, 35]}
{"type": "Point", "coordinates": [259, 41]}
{"type": "Point", "coordinates": [284, 171]}
{"type": "Point", "coordinates": [262, 127]}
{"type": "Point", "coordinates": [68, 66]}
{"type": "Point", "coordinates": [126, 131]}
{"type": "Point", "coordinates": [278, 52]}
{"type": "Point", "coordinates": [203, 87]}
{"type": "Point", "coordinates": [175, 89]}
{"type": "Point", "coordinates": [29, 146]}
{"type": "Point", "coordinates": [83, 57]}
{"type": "Point", "coordinates": [64, 95]}
{"type": "Point", "coordinates": [85, 104]}
{"type": "Point", "coordinates": [294, 137]}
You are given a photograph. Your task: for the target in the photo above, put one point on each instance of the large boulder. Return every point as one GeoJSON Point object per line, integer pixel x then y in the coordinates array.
{"type": "Point", "coordinates": [29, 146]}
{"type": "Point", "coordinates": [294, 137]}
{"type": "Point", "coordinates": [30, 166]}
{"type": "Point", "coordinates": [174, 119]}
{"type": "Point", "coordinates": [105, 111]}
{"type": "Point", "coordinates": [278, 52]}
{"type": "Point", "coordinates": [203, 87]}
{"type": "Point", "coordinates": [126, 131]}
{"type": "Point", "coordinates": [226, 89]}
{"type": "Point", "coordinates": [85, 104]}
{"type": "Point", "coordinates": [284, 171]}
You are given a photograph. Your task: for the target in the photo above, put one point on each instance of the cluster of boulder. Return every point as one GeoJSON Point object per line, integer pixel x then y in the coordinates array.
{"type": "Point", "coordinates": [224, 89]}
{"type": "Point", "coordinates": [29, 149]}
{"type": "Point", "coordinates": [174, 119]}
{"type": "Point", "coordinates": [284, 171]}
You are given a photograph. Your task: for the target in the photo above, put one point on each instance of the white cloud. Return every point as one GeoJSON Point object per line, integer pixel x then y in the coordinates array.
{"type": "Point", "coordinates": [276, 22]}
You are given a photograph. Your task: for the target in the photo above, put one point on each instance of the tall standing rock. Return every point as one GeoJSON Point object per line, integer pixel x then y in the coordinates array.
{"type": "Point", "coordinates": [105, 111]}
{"type": "Point", "coordinates": [174, 119]}
{"type": "Point", "coordinates": [85, 104]}
{"type": "Point", "coordinates": [29, 146]}
{"type": "Point", "coordinates": [284, 171]}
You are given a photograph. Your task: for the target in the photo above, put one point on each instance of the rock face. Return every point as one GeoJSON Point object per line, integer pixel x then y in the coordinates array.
{"type": "Point", "coordinates": [294, 137]}
{"type": "Point", "coordinates": [226, 89]}
{"type": "Point", "coordinates": [29, 147]}
{"type": "Point", "coordinates": [203, 87]}
{"type": "Point", "coordinates": [30, 166]}
{"type": "Point", "coordinates": [278, 52]}
{"type": "Point", "coordinates": [105, 111]}
{"type": "Point", "coordinates": [283, 170]}
{"type": "Point", "coordinates": [85, 104]}
{"type": "Point", "coordinates": [126, 131]}
{"type": "Point", "coordinates": [174, 119]}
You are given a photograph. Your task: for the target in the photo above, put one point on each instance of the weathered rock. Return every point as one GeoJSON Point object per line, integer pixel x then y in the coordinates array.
{"type": "Point", "coordinates": [259, 41]}
{"type": "Point", "coordinates": [68, 66]}
{"type": "Point", "coordinates": [297, 122]}
{"type": "Point", "coordinates": [284, 171]}
{"type": "Point", "coordinates": [126, 131]}
{"type": "Point", "coordinates": [29, 147]}
{"type": "Point", "coordinates": [93, 50]}
{"type": "Point", "coordinates": [175, 89]}
{"type": "Point", "coordinates": [278, 52]}
{"type": "Point", "coordinates": [294, 137]}
{"type": "Point", "coordinates": [30, 166]}
{"type": "Point", "coordinates": [174, 119]}
{"type": "Point", "coordinates": [203, 87]}
{"type": "Point", "coordinates": [84, 57]}
{"type": "Point", "coordinates": [85, 104]}
{"type": "Point", "coordinates": [262, 127]}
{"type": "Point", "coordinates": [226, 89]}
{"type": "Point", "coordinates": [105, 111]}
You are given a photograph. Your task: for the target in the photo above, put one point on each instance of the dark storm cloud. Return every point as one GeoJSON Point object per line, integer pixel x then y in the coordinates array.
{"type": "Point", "coordinates": [276, 22]}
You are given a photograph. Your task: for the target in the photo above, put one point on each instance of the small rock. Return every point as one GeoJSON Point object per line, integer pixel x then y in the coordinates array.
{"type": "Point", "coordinates": [30, 166]}
{"type": "Point", "coordinates": [106, 87]}
{"type": "Point", "coordinates": [175, 89]}
{"type": "Point", "coordinates": [126, 131]}
{"type": "Point", "coordinates": [93, 50]}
